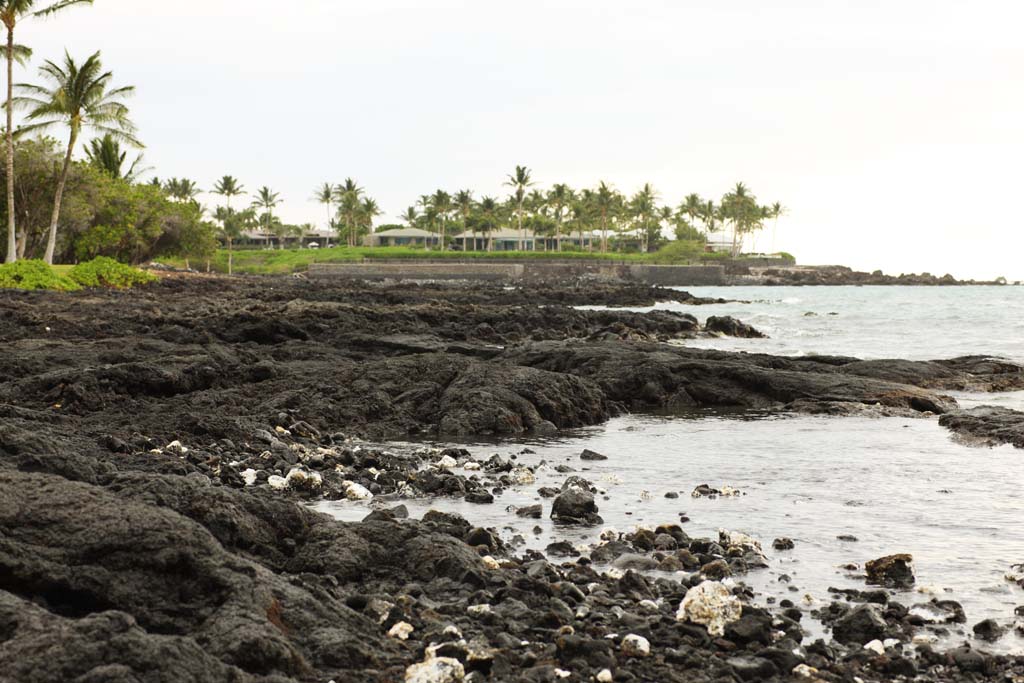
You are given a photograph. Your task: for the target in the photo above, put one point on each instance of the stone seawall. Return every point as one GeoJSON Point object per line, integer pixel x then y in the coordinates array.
{"type": "Point", "coordinates": [537, 271]}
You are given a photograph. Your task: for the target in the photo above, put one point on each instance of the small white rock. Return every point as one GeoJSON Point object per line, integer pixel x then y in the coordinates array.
{"type": "Point", "coordinates": [876, 647]}
{"type": "Point", "coordinates": [712, 604]}
{"type": "Point", "coordinates": [300, 478]}
{"type": "Point", "coordinates": [401, 630]}
{"type": "Point", "coordinates": [479, 609]}
{"type": "Point", "coordinates": [471, 465]}
{"type": "Point", "coordinates": [924, 639]}
{"type": "Point", "coordinates": [176, 447]}
{"type": "Point", "coordinates": [354, 491]}
{"type": "Point", "coordinates": [490, 562]}
{"type": "Point", "coordinates": [604, 676]}
{"type": "Point", "coordinates": [562, 673]}
{"type": "Point", "coordinates": [804, 671]}
{"type": "Point", "coordinates": [282, 431]}
{"type": "Point", "coordinates": [523, 476]}
{"type": "Point", "coordinates": [436, 670]}
{"type": "Point", "coordinates": [277, 483]}
{"type": "Point", "coordinates": [635, 646]}
{"type": "Point", "coordinates": [249, 476]}
{"type": "Point", "coordinates": [447, 462]}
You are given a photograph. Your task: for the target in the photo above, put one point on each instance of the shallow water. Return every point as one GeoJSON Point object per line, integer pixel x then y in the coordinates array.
{"type": "Point", "coordinates": [896, 484]}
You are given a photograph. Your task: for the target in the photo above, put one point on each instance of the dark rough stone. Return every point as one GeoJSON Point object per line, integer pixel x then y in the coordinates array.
{"type": "Point", "coordinates": [588, 454]}
{"type": "Point", "coordinates": [892, 571]}
{"type": "Point", "coordinates": [573, 506]}
{"type": "Point", "coordinates": [861, 625]}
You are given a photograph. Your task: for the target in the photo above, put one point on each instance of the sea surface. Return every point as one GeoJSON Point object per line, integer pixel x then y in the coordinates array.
{"type": "Point", "coordinates": [897, 485]}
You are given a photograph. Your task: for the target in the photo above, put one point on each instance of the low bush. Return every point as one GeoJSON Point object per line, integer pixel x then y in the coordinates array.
{"type": "Point", "coordinates": [106, 272]}
{"type": "Point", "coordinates": [34, 274]}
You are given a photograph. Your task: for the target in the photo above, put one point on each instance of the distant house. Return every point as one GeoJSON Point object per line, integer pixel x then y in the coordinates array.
{"type": "Point", "coordinates": [510, 239]}
{"type": "Point", "coordinates": [401, 237]}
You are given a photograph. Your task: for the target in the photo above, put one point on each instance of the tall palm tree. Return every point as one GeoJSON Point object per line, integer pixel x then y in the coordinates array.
{"type": "Point", "coordinates": [605, 203]}
{"type": "Point", "coordinates": [228, 187]}
{"type": "Point", "coordinates": [325, 195]}
{"type": "Point", "coordinates": [559, 198]}
{"type": "Point", "coordinates": [369, 210]}
{"type": "Point", "coordinates": [464, 204]}
{"type": "Point", "coordinates": [181, 189]}
{"type": "Point", "coordinates": [105, 154]}
{"type": "Point", "coordinates": [11, 12]}
{"type": "Point", "coordinates": [347, 197]}
{"type": "Point", "coordinates": [441, 202]}
{"type": "Point", "coordinates": [488, 210]}
{"type": "Point", "coordinates": [519, 181]}
{"type": "Point", "coordinates": [411, 216]}
{"type": "Point", "coordinates": [79, 96]}
{"type": "Point", "coordinates": [267, 199]}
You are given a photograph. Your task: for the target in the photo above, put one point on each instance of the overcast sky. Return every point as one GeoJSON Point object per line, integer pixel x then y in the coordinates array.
{"type": "Point", "coordinates": [893, 130]}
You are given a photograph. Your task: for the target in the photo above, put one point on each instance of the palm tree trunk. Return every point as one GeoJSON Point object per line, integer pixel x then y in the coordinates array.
{"type": "Point", "coordinates": [51, 242]}
{"type": "Point", "coordinates": [12, 247]}
{"type": "Point", "coordinates": [230, 257]}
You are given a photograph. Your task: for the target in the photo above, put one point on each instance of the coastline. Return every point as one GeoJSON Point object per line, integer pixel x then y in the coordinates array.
{"type": "Point", "coordinates": [161, 442]}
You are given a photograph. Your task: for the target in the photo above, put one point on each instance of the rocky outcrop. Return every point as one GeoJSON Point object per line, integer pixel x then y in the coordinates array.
{"type": "Point", "coordinates": [987, 425]}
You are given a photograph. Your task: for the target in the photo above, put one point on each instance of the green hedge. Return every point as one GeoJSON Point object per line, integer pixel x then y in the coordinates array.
{"type": "Point", "coordinates": [106, 272]}
{"type": "Point", "coordinates": [34, 274]}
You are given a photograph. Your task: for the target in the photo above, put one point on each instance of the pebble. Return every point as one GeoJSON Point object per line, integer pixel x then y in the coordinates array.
{"type": "Point", "coordinates": [401, 630]}
{"type": "Point", "coordinates": [436, 670]}
{"type": "Point", "coordinates": [635, 646]}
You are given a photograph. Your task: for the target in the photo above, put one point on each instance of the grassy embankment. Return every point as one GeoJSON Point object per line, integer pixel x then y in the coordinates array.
{"type": "Point", "coordinates": [276, 261]}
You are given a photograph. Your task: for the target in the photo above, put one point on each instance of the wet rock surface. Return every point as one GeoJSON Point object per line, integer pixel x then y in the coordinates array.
{"type": "Point", "coordinates": [157, 448]}
{"type": "Point", "coordinates": [988, 425]}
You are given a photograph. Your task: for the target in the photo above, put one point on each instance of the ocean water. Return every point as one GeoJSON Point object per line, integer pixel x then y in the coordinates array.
{"type": "Point", "coordinates": [896, 484]}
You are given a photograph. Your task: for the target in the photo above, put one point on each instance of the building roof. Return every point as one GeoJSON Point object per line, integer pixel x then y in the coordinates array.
{"type": "Point", "coordinates": [404, 232]}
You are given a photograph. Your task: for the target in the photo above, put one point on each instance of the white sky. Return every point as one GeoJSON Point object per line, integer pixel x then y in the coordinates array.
{"type": "Point", "coordinates": [893, 130]}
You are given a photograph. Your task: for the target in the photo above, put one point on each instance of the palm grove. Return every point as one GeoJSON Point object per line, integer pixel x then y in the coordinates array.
{"type": "Point", "coordinates": [61, 209]}
{"type": "Point", "coordinates": [617, 221]}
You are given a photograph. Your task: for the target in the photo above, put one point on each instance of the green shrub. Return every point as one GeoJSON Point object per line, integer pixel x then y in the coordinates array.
{"type": "Point", "coordinates": [106, 272]}
{"type": "Point", "coordinates": [34, 274]}
{"type": "Point", "coordinates": [680, 251]}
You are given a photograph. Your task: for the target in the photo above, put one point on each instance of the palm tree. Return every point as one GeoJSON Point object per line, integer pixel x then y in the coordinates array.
{"type": "Point", "coordinates": [267, 199]}
{"type": "Point", "coordinates": [519, 181]}
{"type": "Point", "coordinates": [488, 210]}
{"type": "Point", "coordinates": [605, 203]}
{"type": "Point", "coordinates": [79, 97]}
{"type": "Point", "coordinates": [182, 190]}
{"type": "Point", "coordinates": [559, 198]}
{"type": "Point", "coordinates": [369, 210]}
{"type": "Point", "coordinates": [411, 216]}
{"type": "Point", "coordinates": [441, 202]}
{"type": "Point", "coordinates": [11, 11]}
{"type": "Point", "coordinates": [325, 195]}
{"type": "Point", "coordinates": [464, 204]}
{"type": "Point", "coordinates": [233, 224]}
{"type": "Point", "coordinates": [228, 187]}
{"type": "Point", "coordinates": [347, 196]}
{"type": "Point", "coordinates": [105, 154]}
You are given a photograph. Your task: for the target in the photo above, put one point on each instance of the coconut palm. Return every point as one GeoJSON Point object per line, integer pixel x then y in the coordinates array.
{"type": "Point", "coordinates": [488, 212]}
{"type": "Point", "coordinates": [181, 189]}
{"type": "Point", "coordinates": [605, 202]}
{"type": "Point", "coordinates": [519, 181]}
{"type": "Point", "coordinates": [233, 225]}
{"type": "Point", "coordinates": [11, 12]}
{"type": "Point", "coordinates": [368, 210]}
{"type": "Point", "coordinates": [463, 201]}
{"type": "Point", "coordinates": [228, 187]}
{"type": "Point", "coordinates": [559, 199]}
{"type": "Point", "coordinates": [267, 199]}
{"type": "Point", "coordinates": [410, 216]}
{"type": "Point", "coordinates": [441, 202]}
{"type": "Point", "coordinates": [347, 197]}
{"type": "Point", "coordinates": [325, 195]}
{"type": "Point", "coordinates": [105, 154]}
{"type": "Point", "coordinates": [79, 96]}
{"type": "Point", "coordinates": [776, 210]}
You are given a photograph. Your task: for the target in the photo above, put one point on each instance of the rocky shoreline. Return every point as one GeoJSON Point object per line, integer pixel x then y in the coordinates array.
{"type": "Point", "coordinates": [839, 276]}
{"type": "Point", "coordinates": [157, 448]}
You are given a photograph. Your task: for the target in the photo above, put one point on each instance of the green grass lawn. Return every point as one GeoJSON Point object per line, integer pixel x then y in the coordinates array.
{"type": "Point", "coordinates": [266, 261]}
